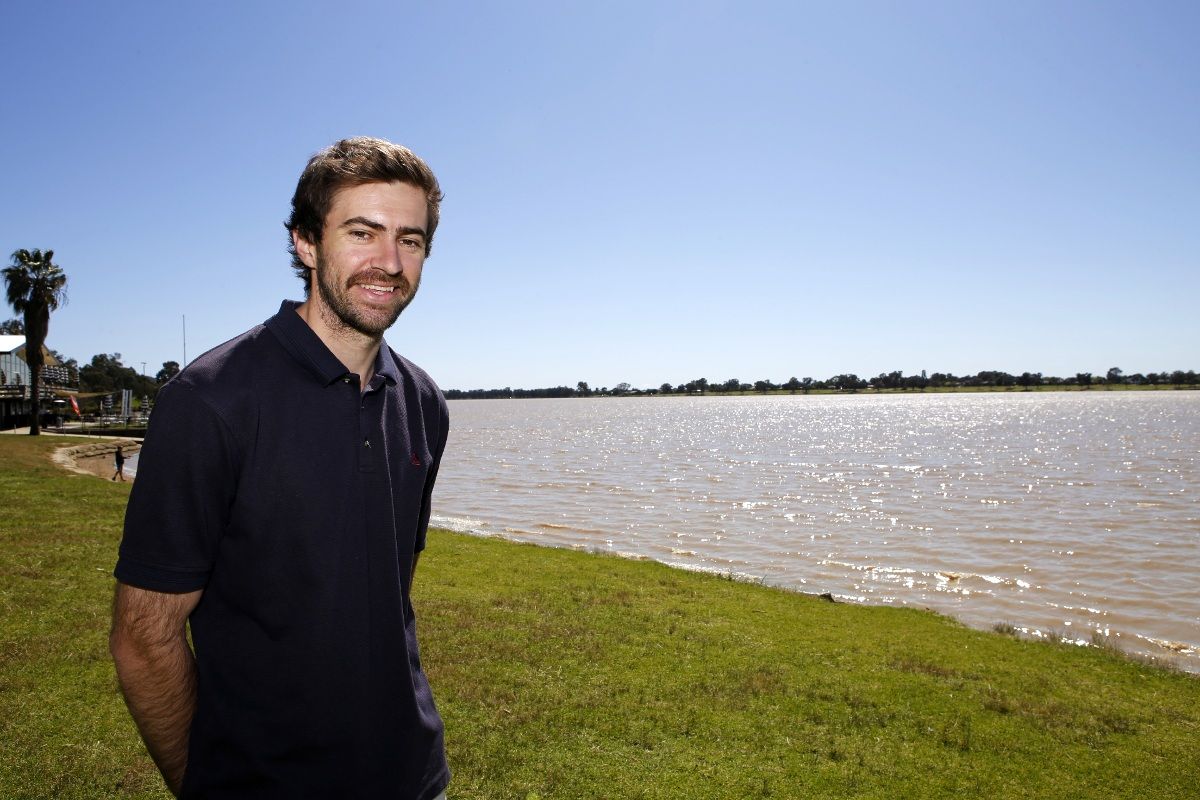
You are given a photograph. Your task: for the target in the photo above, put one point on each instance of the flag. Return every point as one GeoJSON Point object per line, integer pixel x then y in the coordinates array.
{"type": "Point", "coordinates": [75, 406]}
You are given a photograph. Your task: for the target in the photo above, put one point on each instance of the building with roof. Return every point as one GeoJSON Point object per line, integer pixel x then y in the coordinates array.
{"type": "Point", "coordinates": [57, 382]}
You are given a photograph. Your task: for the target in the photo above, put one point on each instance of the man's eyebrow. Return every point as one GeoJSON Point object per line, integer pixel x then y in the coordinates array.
{"type": "Point", "coordinates": [379, 226]}
{"type": "Point", "coordinates": [370, 223]}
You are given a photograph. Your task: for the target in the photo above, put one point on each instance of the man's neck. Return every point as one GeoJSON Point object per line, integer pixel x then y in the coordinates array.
{"type": "Point", "coordinates": [354, 349]}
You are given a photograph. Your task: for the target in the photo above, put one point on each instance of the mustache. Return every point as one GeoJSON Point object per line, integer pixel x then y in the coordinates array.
{"type": "Point", "coordinates": [377, 278]}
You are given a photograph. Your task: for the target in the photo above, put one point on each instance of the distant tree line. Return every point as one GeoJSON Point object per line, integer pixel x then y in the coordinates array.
{"type": "Point", "coordinates": [849, 382]}
{"type": "Point", "coordinates": [105, 375]}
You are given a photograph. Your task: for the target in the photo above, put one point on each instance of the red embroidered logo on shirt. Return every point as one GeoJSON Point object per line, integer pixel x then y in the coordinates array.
{"type": "Point", "coordinates": [416, 460]}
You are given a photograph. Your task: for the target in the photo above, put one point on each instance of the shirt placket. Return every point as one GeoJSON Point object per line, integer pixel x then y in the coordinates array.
{"type": "Point", "coordinates": [370, 431]}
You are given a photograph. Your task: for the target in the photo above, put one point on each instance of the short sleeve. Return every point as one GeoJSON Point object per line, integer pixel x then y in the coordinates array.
{"type": "Point", "coordinates": [182, 494]}
{"type": "Point", "coordinates": [443, 418]}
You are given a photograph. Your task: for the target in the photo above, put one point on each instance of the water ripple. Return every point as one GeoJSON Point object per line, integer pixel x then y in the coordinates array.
{"type": "Point", "coordinates": [1047, 511]}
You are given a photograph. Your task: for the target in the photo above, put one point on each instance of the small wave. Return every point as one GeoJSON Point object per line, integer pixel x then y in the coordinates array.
{"type": "Point", "coordinates": [1182, 648]}
{"type": "Point", "coordinates": [945, 576]}
{"type": "Point", "coordinates": [457, 524]}
{"type": "Point", "coordinates": [706, 569]}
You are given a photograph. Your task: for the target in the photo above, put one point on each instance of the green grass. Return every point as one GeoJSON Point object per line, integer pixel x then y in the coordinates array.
{"type": "Point", "coordinates": [563, 674]}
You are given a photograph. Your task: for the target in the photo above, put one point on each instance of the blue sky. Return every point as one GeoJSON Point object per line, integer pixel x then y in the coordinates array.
{"type": "Point", "coordinates": [635, 192]}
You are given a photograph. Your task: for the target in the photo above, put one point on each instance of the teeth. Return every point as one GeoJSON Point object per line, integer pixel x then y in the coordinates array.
{"type": "Point", "coordinates": [377, 288]}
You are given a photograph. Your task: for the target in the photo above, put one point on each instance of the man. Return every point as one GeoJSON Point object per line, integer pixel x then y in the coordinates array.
{"type": "Point", "coordinates": [119, 463]}
{"type": "Point", "coordinates": [280, 509]}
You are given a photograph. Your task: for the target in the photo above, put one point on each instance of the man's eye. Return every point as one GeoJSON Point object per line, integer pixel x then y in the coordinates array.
{"type": "Point", "coordinates": [360, 234]}
{"type": "Point", "coordinates": [410, 244]}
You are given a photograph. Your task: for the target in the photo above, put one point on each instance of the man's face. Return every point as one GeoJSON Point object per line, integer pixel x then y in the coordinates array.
{"type": "Point", "coordinates": [368, 263]}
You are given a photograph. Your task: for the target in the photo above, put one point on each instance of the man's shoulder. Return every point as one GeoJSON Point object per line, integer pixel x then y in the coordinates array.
{"type": "Point", "coordinates": [227, 365]}
{"type": "Point", "coordinates": [225, 383]}
{"type": "Point", "coordinates": [419, 377]}
{"type": "Point", "coordinates": [427, 388]}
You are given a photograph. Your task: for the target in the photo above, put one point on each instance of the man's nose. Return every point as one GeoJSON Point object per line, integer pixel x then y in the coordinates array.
{"type": "Point", "coordinates": [389, 259]}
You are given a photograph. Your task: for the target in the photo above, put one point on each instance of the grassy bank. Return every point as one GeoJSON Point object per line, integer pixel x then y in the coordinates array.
{"type": "Point", "coordinates": [567, 675]}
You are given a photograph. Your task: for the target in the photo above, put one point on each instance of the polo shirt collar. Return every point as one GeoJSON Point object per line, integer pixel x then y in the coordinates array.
{"type": "Point", "coordinates": [307, 348]}
{"type": "Point", "coordinates": [385, 365]}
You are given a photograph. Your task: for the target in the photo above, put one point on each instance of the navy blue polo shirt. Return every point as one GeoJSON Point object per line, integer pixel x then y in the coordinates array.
{"type": "Point", "coordinates": [297, 504]}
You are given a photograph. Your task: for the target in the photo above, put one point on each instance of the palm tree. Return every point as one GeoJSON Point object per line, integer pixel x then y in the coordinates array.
{"type": "Point", "coordinates": [35, 286]}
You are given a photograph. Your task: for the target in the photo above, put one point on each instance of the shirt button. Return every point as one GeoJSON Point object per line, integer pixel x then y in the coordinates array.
{"type": "Point", "coordinates": [366, 443]}
{"type": "Point", "coordinates": [346, 379]}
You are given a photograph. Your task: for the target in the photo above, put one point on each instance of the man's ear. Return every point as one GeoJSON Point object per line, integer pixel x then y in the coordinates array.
{"type": "Point", "coordinates": [306, 250]}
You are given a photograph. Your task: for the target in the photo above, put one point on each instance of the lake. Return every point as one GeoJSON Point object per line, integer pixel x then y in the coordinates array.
{"type": "Point", "coordinates": [1060, 513]}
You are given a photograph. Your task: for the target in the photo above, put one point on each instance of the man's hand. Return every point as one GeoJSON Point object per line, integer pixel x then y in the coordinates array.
{"type": "Point", "coordinates": [157, 672]}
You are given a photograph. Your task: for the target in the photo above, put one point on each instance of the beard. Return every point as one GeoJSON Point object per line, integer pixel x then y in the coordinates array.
{"type": "Point", "coordinates": [371, 322]}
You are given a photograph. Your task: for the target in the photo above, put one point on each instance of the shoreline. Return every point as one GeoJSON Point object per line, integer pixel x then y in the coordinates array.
{"type": "Point", "coordinates": [95, 459]}
{"type": "Point", "coordinates": [1175, 656]}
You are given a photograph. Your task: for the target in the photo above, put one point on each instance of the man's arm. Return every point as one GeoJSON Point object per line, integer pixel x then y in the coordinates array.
{"type": "Point", "coordinates": [157, 672]}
